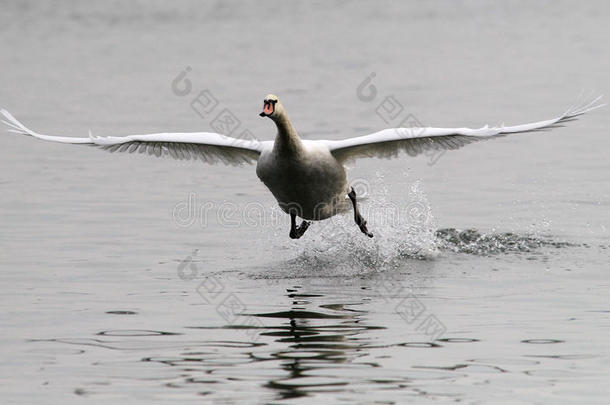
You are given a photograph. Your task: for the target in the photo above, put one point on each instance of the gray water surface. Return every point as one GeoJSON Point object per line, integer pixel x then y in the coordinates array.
{"type": "Point", "coordinates": [136, 279]}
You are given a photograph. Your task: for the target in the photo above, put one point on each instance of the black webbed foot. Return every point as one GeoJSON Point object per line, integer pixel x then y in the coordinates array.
{"type": "Point", "coordinates": [361, 222]}
{"type": "Point", "coordinates": [297, 231]}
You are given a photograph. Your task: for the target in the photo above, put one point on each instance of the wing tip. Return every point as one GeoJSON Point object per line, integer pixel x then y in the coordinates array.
{"type": "Point", "coordinates": [14, 124]}
{"type": "Point", "coordinates": [579, 108]}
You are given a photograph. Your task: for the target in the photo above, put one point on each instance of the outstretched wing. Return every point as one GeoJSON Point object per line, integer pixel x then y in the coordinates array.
{"type": "Point", "coordinates": [389, 142]}
{"type": "Point", "coordinates": [206, 146]}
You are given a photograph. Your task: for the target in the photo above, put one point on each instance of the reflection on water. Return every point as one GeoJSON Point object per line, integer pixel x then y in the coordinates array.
{"type": "Point", "coordinates": [315, 342]}
{"type": "Point", "coordinates": [310, 346]}
{"type": "Point", "coordinates": [357, 333]}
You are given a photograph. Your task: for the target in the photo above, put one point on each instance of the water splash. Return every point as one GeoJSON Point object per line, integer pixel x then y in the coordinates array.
{"type": "Point", "coordinates": [474, 242]}
{"type": "Point", "coordinates": [403, 229]}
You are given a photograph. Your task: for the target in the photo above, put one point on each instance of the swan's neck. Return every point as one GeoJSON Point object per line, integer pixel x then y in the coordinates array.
{"type": "Point", "coordinates": [287, 140]}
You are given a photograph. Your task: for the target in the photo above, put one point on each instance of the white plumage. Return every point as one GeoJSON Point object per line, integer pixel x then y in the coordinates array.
{"type": "Point", "coordinates": [306, 177]}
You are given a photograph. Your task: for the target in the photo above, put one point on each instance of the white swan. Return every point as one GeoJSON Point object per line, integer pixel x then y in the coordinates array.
{"type": "Point", "coordinates": [307, 178]}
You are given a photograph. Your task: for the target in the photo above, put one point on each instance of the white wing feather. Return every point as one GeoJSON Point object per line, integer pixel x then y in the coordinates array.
{"type": "Point", "coordinates": [389, 142]}
{"type": "Point", "coordinates": [206, 146]}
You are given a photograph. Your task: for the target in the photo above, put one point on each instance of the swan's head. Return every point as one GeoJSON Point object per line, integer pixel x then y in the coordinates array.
{"type": "Point", "coordinates": [272, 107]}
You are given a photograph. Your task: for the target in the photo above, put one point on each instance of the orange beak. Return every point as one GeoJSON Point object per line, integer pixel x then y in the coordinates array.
{"type": "Point", "coordinates": [268, 108]}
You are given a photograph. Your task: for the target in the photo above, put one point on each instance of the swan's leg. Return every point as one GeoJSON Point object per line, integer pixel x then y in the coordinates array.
{"type": "Point", "coordinates": [357, 217]}
{"type": "Point", "coordinates": [297, 231]}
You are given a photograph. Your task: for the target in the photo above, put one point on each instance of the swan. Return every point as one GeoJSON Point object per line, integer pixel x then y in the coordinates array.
{"type": "Point", "coordinates": [307, 177]}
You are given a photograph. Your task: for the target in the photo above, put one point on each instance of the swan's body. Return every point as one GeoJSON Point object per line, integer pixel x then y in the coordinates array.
{"type": "Point", "coordinates": [309, 182]}
{"type": "Point", "coordinates": [307, 178]}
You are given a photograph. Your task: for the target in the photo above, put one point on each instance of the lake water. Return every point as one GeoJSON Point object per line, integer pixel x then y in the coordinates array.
{"type": "Point", "coordinates": [134, 279]}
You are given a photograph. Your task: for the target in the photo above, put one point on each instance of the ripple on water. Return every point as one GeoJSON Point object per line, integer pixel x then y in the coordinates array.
{"type": "Point", "coordinates": [119, 312]}
{"type": "Point", "coordinates": [458, 340]}
{"type": "Point", "coordinates": [470, 368]}
{"type": "Point", "coordinates": [301, 315]}
{"type": "Point", "coordinates": [564, 356]}
{"type": "Point", "coordinates": [135, 333]}
{"type": "Point", "coordinates": [542, 341]}
{"type": "Point", "coordinates": [56, 351]}
{"type": "Point", "coordinates": [553, 373]}
{"type": "Point", "coordinates": [505, 361]}
{"type": "Point", "coordinates": [426, 345]}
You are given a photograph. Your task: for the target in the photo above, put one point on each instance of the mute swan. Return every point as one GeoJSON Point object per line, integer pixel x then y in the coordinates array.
{"type": "Point", "coordinates": [306, 177]}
